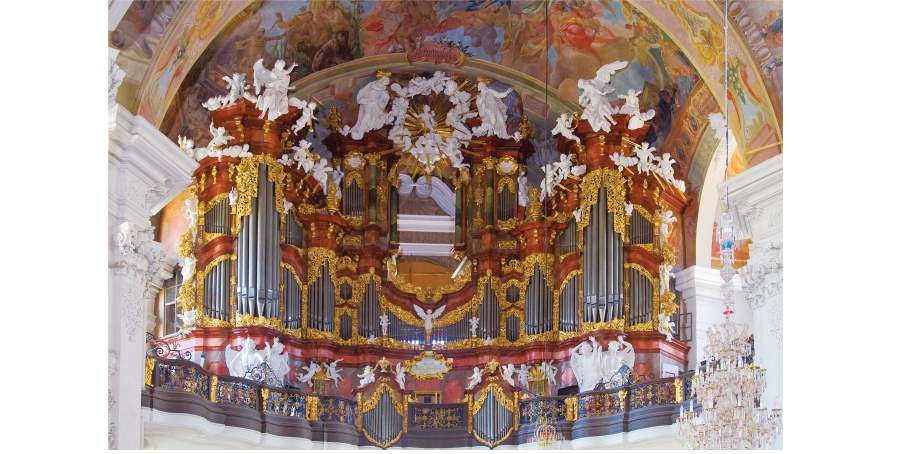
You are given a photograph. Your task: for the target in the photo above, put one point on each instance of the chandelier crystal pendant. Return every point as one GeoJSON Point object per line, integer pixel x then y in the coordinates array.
{"type": "Point", "coordinates": [728, 388]}
{"type": "Point", "coordinates": [545, 435]}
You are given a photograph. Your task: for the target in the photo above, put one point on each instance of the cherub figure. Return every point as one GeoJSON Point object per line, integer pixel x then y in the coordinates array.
{"type": "Point", "coordinates": [429, 316]}
{"type": "Point", "coordinates": [302, 156]}
{"type": "Point", "coordinates": [233, 196]}
{"type": "Point", "coordinates": [508, 374]}
{"type": "Point", "coordinates": [644, 158]}
{"type": "Point", "coordinates": [564, 127]}
{"type": "Point", "coordinates": [237, 88]}
{"type": "Point", "coordinates": [549, 371]}
{"type": "Point", "coordinates": [307, 114]}
{"type": "Point", "coordinates": [367, 377]}
{"type": "Point", "coordinates": [474, 325]}
{"type": "Point", "coordinates": [188, 268]}
{"type": "Point", "coordinates": [523, 376]}
{"type": "Point", "coordinates": [384, 323]}
{"type": "Point", "coordinates": [628, 208]}
{"type": "Point", "coordinates": [311, 370]}
{"type": "Point", "coordinates": [332, 373]}
{"type": "Point", "coordinates": [522, 188]}
{"type": "Point", "coordinates": [667, 219]}
{"type": "Point", "coordinates": [666, 326]}
{"type": "Point", "coordinates": [400, 374]}
{"type": "Point", "coordinates": [191, 211]}
{"type": "Point", "coordinates": [475, 379]}
{"type": "Point", "coordinates": [623, 161]}
{"type": "Point", "coordinates": [632, 107]}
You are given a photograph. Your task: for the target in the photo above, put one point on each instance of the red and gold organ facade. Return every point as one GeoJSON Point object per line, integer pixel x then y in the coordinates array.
{"type": "Point", "coordinates": [328, 268]}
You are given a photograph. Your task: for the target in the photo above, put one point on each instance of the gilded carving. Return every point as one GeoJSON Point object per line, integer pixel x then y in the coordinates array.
{"type": "Point", "coordinates": [149, 370]}
{"type": "Point", "coordinates": [616, 194]}
{"type": "Point", "coordinates": [507, 244]}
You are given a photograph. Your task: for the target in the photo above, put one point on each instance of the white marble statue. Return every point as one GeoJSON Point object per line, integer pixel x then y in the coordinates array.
{"type": "Point", "coordinates": [597, 110]}
{"type": "Point", "coordinates": [613, 359]}
{"type": "Point", "coordinates": [578, 213]}
{"type": "Point", "coordinates": [384, 323]}
{"type": "Point", "coordinates": [336, 178]}
{"type": "Point", "coordinates": [667, 219]}
{"type": "Point", "coordinates": [400, 374]}
{"type": "Point", "coordinates": [371, 339]}
{"type": "Point", "coordinates": [563, 167]}
{"type": "Point", "coordinates": [508, 374]}
{"type": "Point", "coordinates": [189, 319]}
{"type": "Point", "coordinates": [321, 172]}
{"type": "Point", "coordinates": [586, 362]}
{"type": "Point", "coordinates": [187, 145]}
{"type": "Point", "coordinates": [427, 119]}
{"type": "Point", "coordinates": [475, 379]}
{"type": "Point", "coordinates": [666, 326]}
{"type": "Point", "coordinates": [307, 114]}
{"type": "Point", "coordinates": [429, 316]}
{"type": "Point", "coordinates": [369, 376]}
{"type": "Point", "coordinates": [488, 340]}
{"type": "Point", "coordinates": [302, 156]}
{"type": "Point", "coordinates": [623, 161]}
{"type": "Point", "coordinates": [474, 325]}
{"type": "Point", "coordinates": [492, 111]}
{"type": "Point", "coordinates": [191, 211]}
{"type": "Point", "coordinates": [548, 183]}
{"type": "Point", "coordinates": [277, 360]}
{"type": "Point", "coordinates": [564, 127]}
{"type": "Point", "coordinates": [522, 188]}
{"type": "Point", "coordinates": [188, 268]}
{"type": "Point", "coordinates": [628, 208]}
{"type": "Point", "coordinates": [549, 371]}
{"type": "Point", "coordinates": [241, 362]}
{"type": "Point", "coordinates": [632, 107]}
{"type": "Point", "coordinates": [332, 373]}
{"type": "Point", "coordinates": [115, 77]}
{"type": "Point", "coordinates": [665, 167]}
{"type": "Point", "coordinates": [285, 160]}
{"type": "Point", "coordinates": [273, 103]}
{"type": "Point", "coordinates": [523, 376]}
{"type": "Point", "coordinates": [233, 196]}
{"type": "Point", "coordinates": [308, 376]}
{"type": "Point", "coordinates": [371, 114]}
{"type": "Point", "coordinates": [644, 158]}
{"type": "Point", "coordinates": [238, 88]}
{"type": "Point", "coordinates": [399, 107]}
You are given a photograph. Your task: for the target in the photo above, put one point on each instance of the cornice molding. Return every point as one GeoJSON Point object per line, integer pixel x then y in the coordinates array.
{"type": "Point", "coordinates": [757, 194]}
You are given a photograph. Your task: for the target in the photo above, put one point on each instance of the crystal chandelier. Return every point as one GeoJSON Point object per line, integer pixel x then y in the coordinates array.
{"type": "Point", "coordinates": [729, 390]}
{"type": "Point", "coordinates": [545, 435]}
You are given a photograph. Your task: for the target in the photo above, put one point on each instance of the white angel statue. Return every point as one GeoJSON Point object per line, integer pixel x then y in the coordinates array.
{"type": "Point", "coordinates": [644, 158]}
{"type": "Point", "coordinates": [285, 160]}
{"type": "Point", "coordinates": [188, 268]}
{"type": "Point", "coordinates": [667, 219]}
{"type": "Point", "coordinates": [191, 211]}
{"type": "Point", "coordinates": [371, 114]}
{"type": "Point", "coordinates": [597, 110]}
{"type": "Point", "coordinates": [332, 373]}
{"type": "Point", "coordinates": [623, 161]}
{"type": "Point", "coordinates": [400, 374]}
{"type": "Point", "coordinates": [189, 318]}
{"type": "Point", "coordinates": [311, 370]}
{"type": "Point", "coordinates": [277, 360]}
{"type": "Point", "coordinates": [273, 103]}
{"type": "Point", "coordinates": [429, 316]}
{"type": "Point", "coordinates": [367, 377]}
{"type": "Point", "coordinates": [562, 167]}
{"type": "Point", "coordinates": [474, 325]}
{"type": "Point", "coordinates": [508, 374]}
{"type": "Point", "coordinates": [632, 107]}
{"type": "Point", "coordinates": [302, 155]}
{"type": "Point", "coordinates": [321, 172]}
{"type": "Point", "coordinates": [384, 323]}
{"type": "Point", "coordinates": [564, 127]}
{"type": "Point", "coordinates": [523, 376]}
{"type": "Point", "coordinates": [549, 371]}
{"type": "Point", "coordinates": [547, 186]}
{"type": "Point", "coordinates": [307, 114]}
{"type": "Point", "coordinates": [665, 167]}
{"type": "Point", "coordinates": [492, 111]}
{"type": "Point", "coordinates": [613, 359]}
{"type": "Point", "coordinates": [586, 362]}
{"type": "Point", "coordinates": [665, 276]}
{"type": "Point", "coordinates": [233, 196]}
{"type": "Point", "coordinates": [475, 379]}
{"type": "Point", "coordinates": [666, 326]}
{"type": "Point", "coordinates": [522, 187]}
{"type": "Point", "coordinates": [237, 88]}
{"type": "Point", "coordinates": [628, 208]}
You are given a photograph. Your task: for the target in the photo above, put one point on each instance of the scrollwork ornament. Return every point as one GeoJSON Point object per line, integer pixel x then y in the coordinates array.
{"type": "Point", "coordinates": [763, 276]}
{"type": "Point", "coordinates": [616, 193]}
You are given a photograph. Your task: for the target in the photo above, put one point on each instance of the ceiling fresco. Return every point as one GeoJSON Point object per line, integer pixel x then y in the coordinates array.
{"type": "Point", "coordinates": [175, 54]}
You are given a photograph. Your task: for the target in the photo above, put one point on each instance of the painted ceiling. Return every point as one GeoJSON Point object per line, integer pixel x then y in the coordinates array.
{"type": "Point", "coordinates": [176, 52]}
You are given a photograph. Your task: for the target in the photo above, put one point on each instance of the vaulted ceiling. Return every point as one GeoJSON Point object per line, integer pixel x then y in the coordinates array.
{"type": "Point", "coordinates": [176, 52]}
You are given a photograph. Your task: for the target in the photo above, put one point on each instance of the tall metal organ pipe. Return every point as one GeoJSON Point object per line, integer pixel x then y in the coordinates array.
{"type": "Point", "coordinates": [368, 313]}
{"type": "Point", "coordinates": [489, 314]}
{"type": "Point", "coordinates": [259, 254]}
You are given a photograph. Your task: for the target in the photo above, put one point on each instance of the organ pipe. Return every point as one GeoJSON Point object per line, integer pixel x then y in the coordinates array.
{"type": "Point", "coordinates": [512, 328]}
{"type": "Point", "coordinates": [368, 313]}
{"type": "Point", "coordinates": [489, 314]}
{"type": "Point", "coordinates": [569, 300]}
{"type": "Point", "coordinates": [539, 303]}
{"type": "Point", "coordinates": [259, 254]}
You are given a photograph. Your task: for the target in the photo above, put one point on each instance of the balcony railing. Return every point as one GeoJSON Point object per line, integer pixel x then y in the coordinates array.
{"type": "Point", "coordinates": [173, 384]}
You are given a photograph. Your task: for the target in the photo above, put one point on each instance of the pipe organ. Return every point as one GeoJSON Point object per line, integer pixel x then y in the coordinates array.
{"type": "Point", "coordinates": [289, 256]}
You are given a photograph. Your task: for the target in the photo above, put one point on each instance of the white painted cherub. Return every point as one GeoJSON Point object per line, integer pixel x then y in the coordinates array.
{"type": "Point", "coordinates": [367, 377]}
{"type": "Point", "coordinates": [474, 325]}
{"type": "Point", "coordinates": [666, 326]}
{"type": "Point", "coordinates": [475, 379]}
{"type": "Point", "coordinates": [564, 127]}
{"type": "Point", "coordinates": [400, 374]}
{"type": "Point", "coordinates": [311, 370]}
{"type": "Point", "coordinates": [333, 373]}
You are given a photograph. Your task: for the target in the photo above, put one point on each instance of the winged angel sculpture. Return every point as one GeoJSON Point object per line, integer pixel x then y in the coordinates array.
{"type": "Point", "coordinates": [429, 316]}
{"type": "Point", "coordinates": [274, 83]}
{"type": "Point", "coordinates": [597, 110]}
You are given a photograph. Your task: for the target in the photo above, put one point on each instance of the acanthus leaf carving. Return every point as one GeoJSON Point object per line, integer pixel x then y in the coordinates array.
{"type": "Point", "coordinates": [140, 259]}
{"type": "Point", "coordinates": [763, 276]}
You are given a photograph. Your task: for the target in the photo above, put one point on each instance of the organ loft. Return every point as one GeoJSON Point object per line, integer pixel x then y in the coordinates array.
{"type": "Point", "coordinates": [418, 264]}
